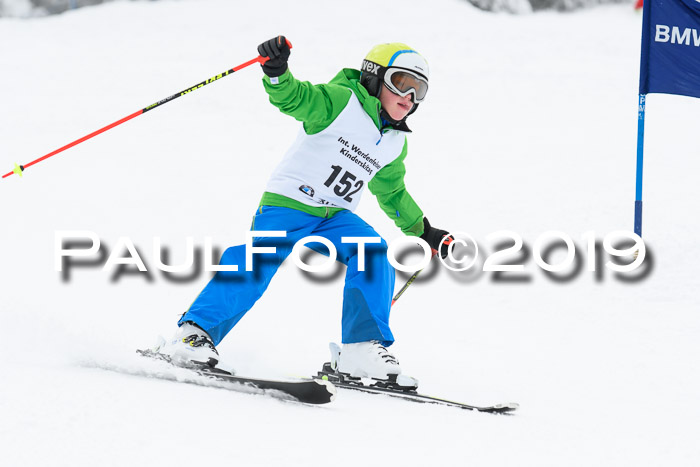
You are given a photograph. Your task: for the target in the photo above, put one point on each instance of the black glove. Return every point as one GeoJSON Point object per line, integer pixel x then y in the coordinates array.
{"type": "Point", "coordinates": [434, 238]}
{"type": "Point", "coordinates": [278, 50]}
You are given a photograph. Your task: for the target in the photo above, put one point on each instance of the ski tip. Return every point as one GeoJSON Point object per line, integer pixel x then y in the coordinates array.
{"type": "Point", "coordinates": [502, 408]}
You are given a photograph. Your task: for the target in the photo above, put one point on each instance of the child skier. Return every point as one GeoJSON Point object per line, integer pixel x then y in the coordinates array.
{"type": "Point", "coordinates": [353, 136]}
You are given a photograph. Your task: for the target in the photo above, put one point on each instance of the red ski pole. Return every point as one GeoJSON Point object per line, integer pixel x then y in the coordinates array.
{"type": "Point", "coordinates": [20, 168]}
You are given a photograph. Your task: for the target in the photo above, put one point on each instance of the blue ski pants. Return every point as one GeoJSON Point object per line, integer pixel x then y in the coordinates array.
{"type": "Point", "coordinates": [367, 294]}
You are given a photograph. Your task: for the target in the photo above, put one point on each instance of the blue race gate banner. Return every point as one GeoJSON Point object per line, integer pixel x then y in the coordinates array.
{"type": "Point", "coordinates": [671, 48]}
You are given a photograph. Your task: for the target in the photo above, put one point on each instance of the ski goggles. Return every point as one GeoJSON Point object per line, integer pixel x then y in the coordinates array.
{"type": "Point", "coordinates": [403, 82]}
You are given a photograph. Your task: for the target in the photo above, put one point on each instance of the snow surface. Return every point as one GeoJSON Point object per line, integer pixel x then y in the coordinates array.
{"type": "Point", "coordinates": [530, 126]}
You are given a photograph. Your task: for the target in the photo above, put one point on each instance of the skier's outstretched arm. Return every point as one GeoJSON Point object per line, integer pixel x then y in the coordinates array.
{"type": "Point", "coordinates": [314, 105]}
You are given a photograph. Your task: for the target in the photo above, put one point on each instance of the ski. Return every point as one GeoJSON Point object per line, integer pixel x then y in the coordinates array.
{"type": "Point", "coordinates": [311, 391]}
{"type": "Point", "coordinates": [410, 394]}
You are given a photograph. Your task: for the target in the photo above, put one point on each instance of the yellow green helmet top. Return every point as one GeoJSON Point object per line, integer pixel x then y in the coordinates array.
{"type": "Point", "coordinates": [396, 55]}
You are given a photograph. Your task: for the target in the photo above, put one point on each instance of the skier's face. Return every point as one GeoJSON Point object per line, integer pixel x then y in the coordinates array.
{"type": "Point", "coordinates": [396, 106]}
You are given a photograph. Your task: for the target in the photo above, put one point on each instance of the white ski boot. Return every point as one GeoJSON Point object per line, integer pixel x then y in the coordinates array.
{"type": "Point", "coordinates": [369, 360]}
{"type": "Point", "coordinates": [191, 344]}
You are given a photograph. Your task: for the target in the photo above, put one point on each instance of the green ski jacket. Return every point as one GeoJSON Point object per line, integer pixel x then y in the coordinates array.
{"type": "Point", "coordinates": [317, 106]}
